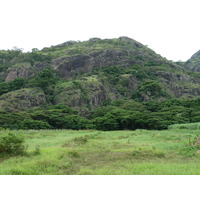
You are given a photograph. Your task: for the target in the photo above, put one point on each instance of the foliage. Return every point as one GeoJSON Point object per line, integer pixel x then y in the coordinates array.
{"type": "Point", "coordinates": [16, 84]}
{"type": "Point", "coordinates": [7, 58]}
{"type": "Point", "coordinates": [138, 78]}
{"type": "Point", "coordinates": [75, 122]}
{"type": "Point", "coordinates": [133, 115]}
{"type": "Point", "coordinates": [12, 120]}
{"type": "Point", "coordinates": [106, 123]}
{"type": "Point", "coordinates": [11, 143]}
{"type": "Point", "coordinates": [149, 90]}
{"type": "Point", "coordinates": [61, 118]}
{"type": "Point", "coordinates": [4, 88]}
{"type": "Point", "coordinates": [46, 78]}
{"type": "Point", "coordinates": [34, 124]}
{"type": "Point", "coordinates": [118, 115]}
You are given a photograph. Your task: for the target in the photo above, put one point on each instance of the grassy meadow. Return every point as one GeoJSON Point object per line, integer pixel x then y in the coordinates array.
{"type": "Point", "coordinates": [90, 152]}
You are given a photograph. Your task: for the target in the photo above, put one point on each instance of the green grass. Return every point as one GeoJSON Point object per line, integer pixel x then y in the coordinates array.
{"type": "Point", "coordinates": [114, 152]}
{"type": "Point", "coordinates": [192, 126]}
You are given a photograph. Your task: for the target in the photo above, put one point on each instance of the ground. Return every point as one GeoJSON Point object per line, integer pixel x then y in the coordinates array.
{"type": "Point", "coordinates": [140, 152]}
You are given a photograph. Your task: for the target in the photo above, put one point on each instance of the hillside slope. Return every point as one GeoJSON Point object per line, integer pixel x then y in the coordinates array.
{"type": "Point", "coordinates": [89, 74]}
{"type": "Point", "coordinates": [193, 63]}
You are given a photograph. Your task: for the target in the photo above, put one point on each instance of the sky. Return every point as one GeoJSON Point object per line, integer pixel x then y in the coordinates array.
{"type": "Point", "coordinates": [169, 27]}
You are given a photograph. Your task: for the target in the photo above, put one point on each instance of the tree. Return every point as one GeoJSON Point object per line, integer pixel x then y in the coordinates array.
{"type": "Point", "coordinates": [4, 88]}
{"type": "Point", "coordinates": [46, 78]}
{"type": "Point", "coordinates": [16, 84]}
{"type": "Point", "coordinates": [106, 123]}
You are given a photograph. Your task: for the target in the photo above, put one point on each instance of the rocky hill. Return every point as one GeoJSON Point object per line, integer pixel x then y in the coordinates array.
{"type": "Point", "coordinates": [89, 74]}
{"type": "Point", "coordinates": [193, 63]}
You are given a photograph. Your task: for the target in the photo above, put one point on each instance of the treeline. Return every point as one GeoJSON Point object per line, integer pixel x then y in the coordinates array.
{"type": "Point", "coordinates": [118, 115]}
{"type": "Point", "coordinates": [9, 58]}
{"type": "Point", "coordinates": [52, 117]}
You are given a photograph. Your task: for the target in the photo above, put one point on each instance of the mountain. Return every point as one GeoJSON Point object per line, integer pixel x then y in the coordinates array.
{"type": "Point", "coordinates": [89, 74]}
{"type": "Point", "coordinates": [193, 63]}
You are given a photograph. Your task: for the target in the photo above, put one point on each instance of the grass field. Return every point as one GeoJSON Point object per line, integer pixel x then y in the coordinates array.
{"type": "Point", "coordinates": [106, 153]}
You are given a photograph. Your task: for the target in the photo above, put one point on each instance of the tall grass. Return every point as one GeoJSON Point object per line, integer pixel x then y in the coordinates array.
{"type": "Point", "coordinates": [191, 126]}
{"type": "Point", "coordinates": [113, 152]}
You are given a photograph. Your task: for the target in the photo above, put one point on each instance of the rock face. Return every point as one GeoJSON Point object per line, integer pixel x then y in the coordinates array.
{"type": "Point", "coordinates": [131, 53]}
{"type": "Point", "coordinates": [21, 100]}
{"type": "Point", "coordinates": [69, 66]}
{"type": "Point", "coordinates": [181, 85]}
{"type": "Point", "coordinates": [89, 92]}
{"type": "Point", "coordinates": [21, 70]}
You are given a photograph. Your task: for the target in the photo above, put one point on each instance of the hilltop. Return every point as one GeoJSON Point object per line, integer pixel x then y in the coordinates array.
{"type": "Point", "coordinates": [193, 63]}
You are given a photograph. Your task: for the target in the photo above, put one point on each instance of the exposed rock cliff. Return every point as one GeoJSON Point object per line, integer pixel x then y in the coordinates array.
{"type": "Point", "coordinates": [88, 92]}
{"type": "Point", "coordinates": [125, 52]}
{"type": "Point", "coordinates": [19, 70]}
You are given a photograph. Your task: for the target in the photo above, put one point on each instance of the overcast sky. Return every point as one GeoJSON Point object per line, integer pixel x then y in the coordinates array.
{"type": "Point", "coordinates": [169, 27]}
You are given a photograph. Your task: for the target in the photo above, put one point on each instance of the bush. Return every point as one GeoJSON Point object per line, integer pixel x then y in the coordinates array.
{"type": "Point", "coordinates": [12, 144]}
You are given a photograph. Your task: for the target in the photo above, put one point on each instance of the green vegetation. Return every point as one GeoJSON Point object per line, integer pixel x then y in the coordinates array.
{"type": "Point", "coordinates": [116, 115]}
{"type": "Point", "coordinates": [11, 143]}
{"type": "Point", "coordinates": [97, 152]}
{"type": "Point", "coordinates": [116, 85]}
{"type": "Point", "coordinates": [86, 75]}
{"type": "Point", "coordinates": [16, 84]}
{"type": "Point", "coordinates": [190, 126]}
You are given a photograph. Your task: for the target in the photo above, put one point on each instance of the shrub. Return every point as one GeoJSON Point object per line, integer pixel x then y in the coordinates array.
{"type": "Point", "coordinates": [77, 141]}
{"type": "Point", "coordinates": [36, 151]}
{"type": "Point", "coordinates": [12, 144]}
{"type": "Point", "coordinates": [81, 140]}
{"type": "Point", "coordinates": [73, 154]}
